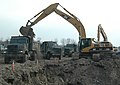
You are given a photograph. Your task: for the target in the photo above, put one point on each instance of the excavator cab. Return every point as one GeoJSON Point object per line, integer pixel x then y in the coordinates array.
{"type": "Point", "coordinates": [86, 42]}
{"type": "Point", "coordinates": [90, 48]}
{"type": "Point", "coordinates": [85, 45]}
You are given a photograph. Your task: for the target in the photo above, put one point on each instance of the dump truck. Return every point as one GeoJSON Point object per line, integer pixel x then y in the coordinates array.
{"type": "Point", "coordinates": [19, 50]}
{"type": "Point", "coordinates": [69, 49]}
{"type": "Point", "coordinates": [50, 49]}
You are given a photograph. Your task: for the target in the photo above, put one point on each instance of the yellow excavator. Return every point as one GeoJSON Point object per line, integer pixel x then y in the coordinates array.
{"type": "Point", "coordinates": [28, 31]}
{"type": "Point", "coordinates": [90, 47]}
{"type": "Point", "coordinates": [105, 42]}
{"type": "Point", "coordinates": [87, 46]}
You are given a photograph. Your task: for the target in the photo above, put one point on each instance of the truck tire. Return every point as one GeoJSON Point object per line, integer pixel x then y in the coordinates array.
{"type": "Point", "coordinates": [48, 56]}
{"type": "Point", "coordinates": [64, 55]}
{"type": "Point", "coordinates": [70, 55]}
{"type": "Point", "coordinates": [59, 57]}
{"type": "Point", "coordinates": [33, 57]}
{"type": "Point", "coordinates": [24, 59]}
{"type": "Point", "coordinates": [6, 60]}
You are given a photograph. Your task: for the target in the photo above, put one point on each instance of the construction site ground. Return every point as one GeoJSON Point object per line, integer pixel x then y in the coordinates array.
{"type": "Point", "coordinates": [67, 71]}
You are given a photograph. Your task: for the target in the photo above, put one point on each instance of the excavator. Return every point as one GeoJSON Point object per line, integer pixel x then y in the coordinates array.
{"type": "Point", "coordinates": [87, 46]}
{"type": "Point", "coordinates": [28, 31]}
{"type": "Point", "coordinates": [107, 45]}
{"type": "Point", "coordinates": [105, 41]}
{"type": "Point", "coordinates": [102, 49]}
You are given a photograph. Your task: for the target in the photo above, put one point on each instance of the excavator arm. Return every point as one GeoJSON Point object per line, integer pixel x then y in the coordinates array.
{"type": "Point", "coordinates": [28, 31]}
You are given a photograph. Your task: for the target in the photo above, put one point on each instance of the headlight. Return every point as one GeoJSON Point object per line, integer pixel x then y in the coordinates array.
{"type": "Point", "coordinates": [4, 52]}
{"type": "Point", "coordinates": [21, 51]}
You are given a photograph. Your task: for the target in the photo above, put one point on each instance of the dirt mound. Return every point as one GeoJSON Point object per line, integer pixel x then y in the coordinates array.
{"type": "Point", "coordinates": [85, 72]}
{"type": "Point", "coordinates": [29, 73]}
{"type": "Point", "coordinates": [71, 72]}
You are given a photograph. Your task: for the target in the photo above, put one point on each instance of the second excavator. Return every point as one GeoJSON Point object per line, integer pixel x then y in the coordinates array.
{"type": "Point", "coordinates": [97, 50]}
{"type": "Point", "coordinates": [87, 46]}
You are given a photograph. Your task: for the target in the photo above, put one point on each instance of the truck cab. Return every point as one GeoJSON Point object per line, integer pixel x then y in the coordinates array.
{"type": "Point", "coordinates": [51, 49]}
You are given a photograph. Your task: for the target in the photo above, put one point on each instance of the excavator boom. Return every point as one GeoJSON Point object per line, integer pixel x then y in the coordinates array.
{"type": "Point", "coordinates": [74, 21]}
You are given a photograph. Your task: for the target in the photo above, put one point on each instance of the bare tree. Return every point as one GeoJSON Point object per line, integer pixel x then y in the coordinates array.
{"type": "Point", "coordinates": [6, 42]}
{"type": "Point", "coordinates": [63, 41]}
{"type": "Point", "coordinates": [68, 41]}
{"type": "Point", "coordinates": [1, 40]}
{"type": "Point", "coordinates": [73, 41]}
{"type": "Point", "coordinates": [39, 39]}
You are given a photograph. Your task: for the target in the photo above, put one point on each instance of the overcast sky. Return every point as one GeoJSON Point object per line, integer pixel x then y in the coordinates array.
{"type": "Point", "coordinates": [15, 13]}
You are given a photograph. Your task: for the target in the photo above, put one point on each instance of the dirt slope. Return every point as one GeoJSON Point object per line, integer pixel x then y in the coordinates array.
{"type": "Point", "coordinates": [68, 72]}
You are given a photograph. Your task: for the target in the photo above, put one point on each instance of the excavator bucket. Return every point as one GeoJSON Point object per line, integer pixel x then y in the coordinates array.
{"type": "Point", "coordinates": [27, 31]}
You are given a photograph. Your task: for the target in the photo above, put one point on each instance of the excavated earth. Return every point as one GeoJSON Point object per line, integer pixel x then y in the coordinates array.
{"type": "Point", "coordinates": [68, 71]}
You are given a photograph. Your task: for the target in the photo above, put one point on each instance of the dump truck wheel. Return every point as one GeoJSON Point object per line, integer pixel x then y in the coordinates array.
{"type": "Point", "coordinates": [6, 60]}
{"type": "Point", "coordinates": [48, 56]}
{"type": "Point", "coordinates": [24, 59]}
{"type": "Point", "coordinates": [70, 55]}
{"type": "Point", "coordinates": [59, 57]}
{"type": "Point", "coordinates": [33, 57]}
{"type": "Point", "coordinates": [64, 55]}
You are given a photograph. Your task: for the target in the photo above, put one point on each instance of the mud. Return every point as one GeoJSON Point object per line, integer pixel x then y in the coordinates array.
{"type": "Point", "coordinates": [67, 71]}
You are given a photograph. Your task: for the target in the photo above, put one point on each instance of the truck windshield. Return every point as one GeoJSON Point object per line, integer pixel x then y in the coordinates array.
{"type": "Point", "coordinates": [54, 44]}
{"type": "Point", "coordinates": [22, 41]}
